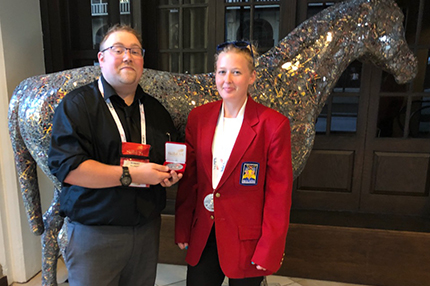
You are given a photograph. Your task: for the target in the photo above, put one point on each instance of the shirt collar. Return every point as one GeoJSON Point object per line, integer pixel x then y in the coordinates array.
{"type": "Point", "coordinates": [239, 114]}
{"type": "Point", "coordinates": [110, 91]}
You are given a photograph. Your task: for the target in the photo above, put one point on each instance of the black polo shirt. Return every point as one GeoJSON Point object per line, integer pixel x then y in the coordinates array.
{"type": "Point", "coordinates": [83, 129]}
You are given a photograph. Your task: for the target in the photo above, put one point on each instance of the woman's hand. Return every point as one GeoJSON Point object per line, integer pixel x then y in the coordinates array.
{"type": "Point", "coordinates": [258, 267]}
{"type": "Point", "coordinates": [183, 245]}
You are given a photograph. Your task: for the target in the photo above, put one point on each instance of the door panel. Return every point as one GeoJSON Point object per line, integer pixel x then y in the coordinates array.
{"type": "Point", "coordinates": [331, 179]}
{"type": "Point", "coordinates": [400, 174]}
{"type": "Point", "coordinates": [332, 173]}
{"type": "Point", "coordinates": [382, 166]}
{"type": "Point", "coordinates": [327, 182]}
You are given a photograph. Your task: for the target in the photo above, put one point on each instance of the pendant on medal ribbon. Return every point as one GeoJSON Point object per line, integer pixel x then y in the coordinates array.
{"type": "Point", "coordinates": [175, 166]}
{"type": "Point", "coordinates": [209, 202]}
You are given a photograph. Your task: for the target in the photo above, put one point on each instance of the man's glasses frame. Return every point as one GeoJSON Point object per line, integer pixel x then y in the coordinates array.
{"type": "Point", "coordinates": [119, 51]}
{"type": "Point", "coordinates": [242, 45]}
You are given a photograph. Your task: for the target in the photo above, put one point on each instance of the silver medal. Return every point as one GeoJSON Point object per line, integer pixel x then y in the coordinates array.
{"type": "Point", "coordinates": [209, 202]}
{"type": "Point", "coordinates": [174, 166]}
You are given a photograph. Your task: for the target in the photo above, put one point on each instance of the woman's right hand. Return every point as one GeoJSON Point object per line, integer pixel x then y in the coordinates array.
{"type": "Point", "coordinates": [183, 245]}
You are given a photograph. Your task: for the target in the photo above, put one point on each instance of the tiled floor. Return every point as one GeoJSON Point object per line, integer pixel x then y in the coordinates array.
{"type": "Point", "coordinates": [174, 275]}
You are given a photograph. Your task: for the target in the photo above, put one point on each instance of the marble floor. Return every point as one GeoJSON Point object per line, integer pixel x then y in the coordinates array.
{"type": "Point", "coordinates": [174, 275]}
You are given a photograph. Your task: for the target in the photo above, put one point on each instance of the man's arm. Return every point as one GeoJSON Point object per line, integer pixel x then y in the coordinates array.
{"type": "Point", "coordinates": [93, 174]}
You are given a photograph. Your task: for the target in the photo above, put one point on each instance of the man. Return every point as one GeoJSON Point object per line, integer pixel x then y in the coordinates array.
{"type": "Point", "coordinates": [112, 200]}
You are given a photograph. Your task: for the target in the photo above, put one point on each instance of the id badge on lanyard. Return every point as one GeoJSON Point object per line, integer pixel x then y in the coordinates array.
{"type": "Point", "coordinates": [132, 154]}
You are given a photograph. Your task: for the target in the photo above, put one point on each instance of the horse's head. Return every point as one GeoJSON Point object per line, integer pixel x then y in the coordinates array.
{"type": "Point", "coordinates": [387, 47]}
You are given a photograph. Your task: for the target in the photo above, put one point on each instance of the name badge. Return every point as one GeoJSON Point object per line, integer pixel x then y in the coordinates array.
{"type": "Point", "coordinates": [249, 174]}
{"type": "Point", "coordinates": [133, 155]}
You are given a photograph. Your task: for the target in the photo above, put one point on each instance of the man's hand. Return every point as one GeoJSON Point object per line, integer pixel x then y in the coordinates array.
{"type": "Point", "coordinates": [175, 177]}
{"type": "Point", "coordinates": [150, 173]}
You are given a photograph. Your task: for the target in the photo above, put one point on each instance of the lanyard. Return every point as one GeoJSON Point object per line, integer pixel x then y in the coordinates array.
{"type": "Point", "coordinates": [118, 122]}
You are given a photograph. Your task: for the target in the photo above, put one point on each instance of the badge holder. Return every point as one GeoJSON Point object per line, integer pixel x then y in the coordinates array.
{"type": "Point", "coordinates": [133, 155]}
{"type": "Point", "coordinates": [176, 154]}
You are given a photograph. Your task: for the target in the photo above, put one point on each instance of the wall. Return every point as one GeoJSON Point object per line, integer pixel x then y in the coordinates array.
{"type": "Point", "coordinates": [21, 56]}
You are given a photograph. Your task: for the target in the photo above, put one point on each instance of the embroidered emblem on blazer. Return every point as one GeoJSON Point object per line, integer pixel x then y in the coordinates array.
{"type": "Point", "coordinates": [249, 174]}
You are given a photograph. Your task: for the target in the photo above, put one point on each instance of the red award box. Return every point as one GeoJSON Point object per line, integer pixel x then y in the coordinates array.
{"type": "Point", "coordinates": [176, 154]}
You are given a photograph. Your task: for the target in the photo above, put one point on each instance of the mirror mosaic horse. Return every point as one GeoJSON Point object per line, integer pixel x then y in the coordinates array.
{"type": "Point", "coordinates": [295, 77]}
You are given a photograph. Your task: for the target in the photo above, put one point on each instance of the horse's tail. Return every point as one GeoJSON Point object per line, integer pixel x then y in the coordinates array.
{"type": "Point", "coordinates": [25, 164]}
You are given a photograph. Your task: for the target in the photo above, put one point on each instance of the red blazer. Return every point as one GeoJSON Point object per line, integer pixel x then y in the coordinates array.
{"type": "Point", "coordinates": [252, 209]}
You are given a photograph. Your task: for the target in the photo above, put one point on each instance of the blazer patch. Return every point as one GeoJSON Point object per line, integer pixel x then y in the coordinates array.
{"type": "Point", "coordinates": [249, 174]}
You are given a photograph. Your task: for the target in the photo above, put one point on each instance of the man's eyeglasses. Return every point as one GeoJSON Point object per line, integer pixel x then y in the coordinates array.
{"type": "Point", "coordinates": [238, 44]}
{"type": "Point", "coordinates": [119, 51]}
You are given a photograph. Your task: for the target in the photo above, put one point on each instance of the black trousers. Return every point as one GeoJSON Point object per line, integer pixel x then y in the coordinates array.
{"type": "Point", "coordinates": [208, 271]}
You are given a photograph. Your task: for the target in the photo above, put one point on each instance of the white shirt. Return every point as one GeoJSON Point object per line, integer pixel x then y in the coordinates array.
{"type": "Point", "coordinates": [225, 136]}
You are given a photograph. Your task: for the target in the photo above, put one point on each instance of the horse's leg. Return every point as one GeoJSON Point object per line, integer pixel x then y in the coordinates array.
{"type": "Point", "coordinates": [62, 239]}
{"type": "Point", "coordinates": [50, 250]}
{"type": "Point", "coordinates": [26, 169]}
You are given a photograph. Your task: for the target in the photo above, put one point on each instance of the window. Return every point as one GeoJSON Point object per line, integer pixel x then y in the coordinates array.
{"type": "Point", "coordinates": [183, 36]}
{"type": "Point", "coordinates": [404, 110]}
{"type": "Point", "coordinates": [263, 30]}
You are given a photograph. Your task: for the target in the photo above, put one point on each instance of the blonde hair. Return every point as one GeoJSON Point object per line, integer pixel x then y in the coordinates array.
{"type": "Point", "coordinates": [249, 52]}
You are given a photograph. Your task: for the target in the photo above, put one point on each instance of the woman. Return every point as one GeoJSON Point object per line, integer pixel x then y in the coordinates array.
{"type": "Point", "coordinates": [233, 203]}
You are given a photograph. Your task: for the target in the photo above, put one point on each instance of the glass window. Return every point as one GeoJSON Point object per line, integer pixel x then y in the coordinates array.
{"type": "Point", "coordinates": [424, 38]}
{"type": "Point", "coordinates": [422, 80]}
{"type": "Point", "coordinates": [419, 120]}
{"type": "Point", "coordinates": [195, 62]}
{"type": "Point", "coordinates": [427, 76]}
{"type": "Point", "coordinates": [344, 112]}
{"type": "Point", "coordinates": [237, 1]}
{"type": "Point", "coordinates": [237, 23]}
{"type": "Point", "coordinates": [169, 2]}
{"type": "Point", "coordinates": [195, 29]}
{"type": "Point", "coordinates": [321, 124]}
{"type": "Point", "coordinates": [99, 13]}
{"type": "Point", "coordinates": [100, 18]}
{"type": "Point", "coordinates": [315, 8]}
{"type": "Point", "coordinates": [125, 12]}
{"type": "Point", "coordinates": [183, 32]}
{"type": "Point", "coordinates": [340, 113]}
{"type": "Point", "coordinates": [389, 84]}
{"type": "Point", "coordinates": [169, 37]}
{"type": "Point", "coordinates": [391, 116]}
{"type": "Point", "coordinates": [264, 28]}
{"type": "Point", "coordinates": [350, 80]}
{"type": "Point", "coordinates": [195, 1]}
{"type": "Point", "coordinates": [410, 9]}
{"type": "Point", "coordinates": [170, 62]}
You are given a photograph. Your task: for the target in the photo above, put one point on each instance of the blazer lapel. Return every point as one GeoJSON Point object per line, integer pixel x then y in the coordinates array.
{"type": "Point", "coordinates": [244, 139]}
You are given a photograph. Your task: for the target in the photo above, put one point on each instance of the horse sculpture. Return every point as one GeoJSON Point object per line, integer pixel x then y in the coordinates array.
{"type": "Point", "coordinates": [295, 78]}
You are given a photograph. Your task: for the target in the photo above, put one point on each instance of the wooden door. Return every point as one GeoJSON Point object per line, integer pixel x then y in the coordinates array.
{"type": "Point", "coordinates": [381, 166]}
{"type": "Point", "coordinates": [396, 169]}
{"type": "Point", "coordinates": [331, 178]}
{"type": "Point", "coordinates": [73, 29]}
